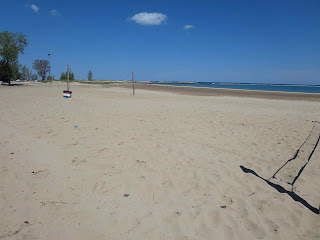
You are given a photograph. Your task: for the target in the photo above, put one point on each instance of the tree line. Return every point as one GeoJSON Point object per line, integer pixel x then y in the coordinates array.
{"type": "Point", "coordinates": [11, 46]}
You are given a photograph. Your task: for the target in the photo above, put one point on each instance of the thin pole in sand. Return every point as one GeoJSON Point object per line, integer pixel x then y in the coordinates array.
{"type": "Point", "coordinates": [68, 78]}
{"type": "Point", "coordinates": [133, 84]}
{"type": "Point", "coordinates": [49, 69]}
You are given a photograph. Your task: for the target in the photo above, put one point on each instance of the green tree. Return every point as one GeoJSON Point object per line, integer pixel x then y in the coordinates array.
{"type": "Point", "coordinates": [71, 75]}
{"type": "Point", "coordinates": [34, 76]}
{"type": "Point", "coordinates": [90, 75]}
{"type": "Point", "coordinates": [16, 70]}
{"type": "Point", "coordinates": [29, 75]}
{"type": "Point", "coordinates": [25, 73]}
{"type": "Point", "coordinates": [24, 70]}
{"type": "Point", "coordinates": [64, 75]}
{"type": "Point", "coordinates": [11, 45]}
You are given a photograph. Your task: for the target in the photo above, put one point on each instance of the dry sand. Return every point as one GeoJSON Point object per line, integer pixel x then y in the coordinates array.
{"type": "Point", "coordinates": [205, 91]}
{"type": "Point", "coordinates": [159, 165]}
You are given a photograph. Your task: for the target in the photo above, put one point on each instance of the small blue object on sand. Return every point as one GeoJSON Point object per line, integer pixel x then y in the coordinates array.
{"type": "Point", "coordinates": [76, 126]}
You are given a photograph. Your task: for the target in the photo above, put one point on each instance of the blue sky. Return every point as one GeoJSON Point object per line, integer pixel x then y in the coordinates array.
{"type": "Point", "coordinates": [225, 41]}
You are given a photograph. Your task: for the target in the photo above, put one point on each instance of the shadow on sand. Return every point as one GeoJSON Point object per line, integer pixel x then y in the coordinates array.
{"type": "Point", "coordinates": [283, 190]}
{"type": "Point", "coordinates": [13, 84]}
{"type": "Point", "coordinates": [296, 155]}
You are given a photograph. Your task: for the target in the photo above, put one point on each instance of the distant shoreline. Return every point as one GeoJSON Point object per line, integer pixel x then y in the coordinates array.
{"type": "Point", "coordinates": [230, 83]}
{"type": "Point", "coordinates": [200, 91]}
{"type": "Point", "coordinates": [255, 87]}
{"type": "Point", "coordinates": [206, 91]}
{"type": "Point", "coordinates": [235, 89]}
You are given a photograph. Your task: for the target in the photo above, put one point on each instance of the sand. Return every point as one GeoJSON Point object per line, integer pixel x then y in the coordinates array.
{"type": "Point", "coordinates": [205, 91]}
{"type": "Point", "coordinates": [159, 165]}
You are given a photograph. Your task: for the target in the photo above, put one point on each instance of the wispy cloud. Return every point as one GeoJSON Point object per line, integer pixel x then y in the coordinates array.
{"type": "Point", "coordinates": [54, 13]}
{"type": "Point", "coordinates": [188, 27]}
{"type": "Point", "coordinates": [145, 18]}
{"type": "Point", "coordinates": [35, 8]}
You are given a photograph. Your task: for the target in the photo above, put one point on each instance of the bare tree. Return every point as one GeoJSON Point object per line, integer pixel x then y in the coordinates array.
{"type": "Point", "coordinates": [42, 67]}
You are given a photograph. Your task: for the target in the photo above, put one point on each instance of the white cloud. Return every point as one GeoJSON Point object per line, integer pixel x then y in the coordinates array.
{"type": "Point", "coordinates": [145, 18]}
{"type": "Point", "coordinates": [54, 13]}
{"type": "Point", "coordinates": [34, 8]}
{"type": "Point", "coordinates": [188, 27]}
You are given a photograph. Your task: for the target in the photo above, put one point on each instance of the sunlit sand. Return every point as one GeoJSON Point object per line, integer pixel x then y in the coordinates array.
{"type": "Point", "coordinates": [160, 165]}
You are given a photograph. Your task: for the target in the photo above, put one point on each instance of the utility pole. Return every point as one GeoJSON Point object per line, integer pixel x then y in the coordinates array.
{"type": "Point", "coordinates": [68, 78]}
{"type": "Point", "coordinates": [133, 84]}
{"type": "Point", "coordinates": [49, 69]}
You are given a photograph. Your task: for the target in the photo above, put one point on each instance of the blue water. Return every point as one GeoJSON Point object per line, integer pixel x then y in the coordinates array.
{"type": "Point", "coordinates": [261, 87]}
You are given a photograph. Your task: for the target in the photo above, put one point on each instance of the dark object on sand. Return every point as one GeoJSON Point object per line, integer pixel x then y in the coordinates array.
{"type": "Point", "coordinates": [67, 94]}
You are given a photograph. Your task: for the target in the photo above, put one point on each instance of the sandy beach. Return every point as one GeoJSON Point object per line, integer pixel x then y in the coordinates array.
{"type": "Point", "coordinates": [222, 92]}
{"type": "Point", "coordinates": [164, 164]}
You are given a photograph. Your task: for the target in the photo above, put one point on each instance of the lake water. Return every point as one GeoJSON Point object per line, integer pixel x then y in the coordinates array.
{"type": "Point", "coordinates": [259, 87]}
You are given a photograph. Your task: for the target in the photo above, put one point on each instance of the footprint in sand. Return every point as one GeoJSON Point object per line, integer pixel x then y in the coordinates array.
{"type": "Point", "coordinates": [77, 161]}
{"type": "Point", "coordinates": [142, 164]}
{"type": "Point", "coordinates": [100, 189]}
